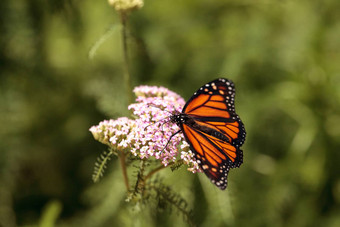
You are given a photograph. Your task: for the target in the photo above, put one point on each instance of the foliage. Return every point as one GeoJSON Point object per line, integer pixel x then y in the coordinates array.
{"type": "Point", "coordinates": [101, 165]}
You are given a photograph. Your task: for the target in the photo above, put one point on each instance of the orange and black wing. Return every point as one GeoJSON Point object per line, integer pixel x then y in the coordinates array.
{"type": "Point", "coordinates": [215, 132]}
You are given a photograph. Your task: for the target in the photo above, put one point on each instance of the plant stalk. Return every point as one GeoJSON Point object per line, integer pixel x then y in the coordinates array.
{"type": "Point", "coordinates": [127, 77]}
{"type": "Point", "coordinates": [154, 171]}
{"type": "Point", "coordinates": [123, 166]}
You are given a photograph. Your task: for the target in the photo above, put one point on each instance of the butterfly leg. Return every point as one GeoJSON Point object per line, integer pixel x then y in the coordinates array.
{"type": "Point", "coordinates": [170, 140]}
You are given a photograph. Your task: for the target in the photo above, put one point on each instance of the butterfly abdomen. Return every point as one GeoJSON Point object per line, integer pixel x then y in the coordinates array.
{"type": "Point", "coordinates": [211, 132]}
{"type": "Point", "coordinates": [190, 121]}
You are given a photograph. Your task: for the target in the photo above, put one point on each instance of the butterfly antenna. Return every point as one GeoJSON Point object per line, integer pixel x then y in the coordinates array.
{"type": "Point", "coordinates": [155, 123]}
{"type": "Point", "coordinates": [159, 108]}
{"type": "Point", "coordinates": [158, 120]}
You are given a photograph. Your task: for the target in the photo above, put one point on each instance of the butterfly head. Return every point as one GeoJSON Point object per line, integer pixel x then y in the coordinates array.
{"type": "Point", "coordinates": [178, 118]}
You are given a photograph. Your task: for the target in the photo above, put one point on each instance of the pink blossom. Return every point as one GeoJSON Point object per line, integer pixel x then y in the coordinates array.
{"type": "Point", "coordinates": [147, 136]}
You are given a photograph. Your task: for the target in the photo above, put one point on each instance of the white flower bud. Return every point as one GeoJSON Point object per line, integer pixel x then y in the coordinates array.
{"type": "Point", "coordinates": [126, 5]}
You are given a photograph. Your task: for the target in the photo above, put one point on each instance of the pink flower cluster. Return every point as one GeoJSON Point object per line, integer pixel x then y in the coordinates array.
{"type": "Point", "coordinates": [147, 135]}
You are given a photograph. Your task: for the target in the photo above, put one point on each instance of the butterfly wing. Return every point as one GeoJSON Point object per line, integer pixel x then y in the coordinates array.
{"type": "Point", "coordinates": [210, 154]}
{"type": "Point", "coordinates": [215, 132]}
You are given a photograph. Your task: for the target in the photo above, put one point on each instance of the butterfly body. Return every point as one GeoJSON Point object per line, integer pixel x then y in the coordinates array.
{"type": "Point", "coordinates": [213, 130]}
{"type": "Point", "coordinates": [182, 118]}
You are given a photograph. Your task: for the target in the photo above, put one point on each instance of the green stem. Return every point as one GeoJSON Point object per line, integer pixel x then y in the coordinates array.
{"type": "Point", "coordinates": [128, 87]}
{"type": "Point", "coordinates": [123, 166]}
{"type": "Point", "coordinates": [127, 77]}
{"type": "Point", "coordinates": [154, 171]}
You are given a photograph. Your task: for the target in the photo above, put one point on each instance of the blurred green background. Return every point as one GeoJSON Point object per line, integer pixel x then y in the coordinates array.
{"type": "Point", "coordinates": [282, 55]}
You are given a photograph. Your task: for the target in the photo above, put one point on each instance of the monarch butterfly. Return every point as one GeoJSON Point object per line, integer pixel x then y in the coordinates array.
{"type": "Point", "coordinates": [213, 130]}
